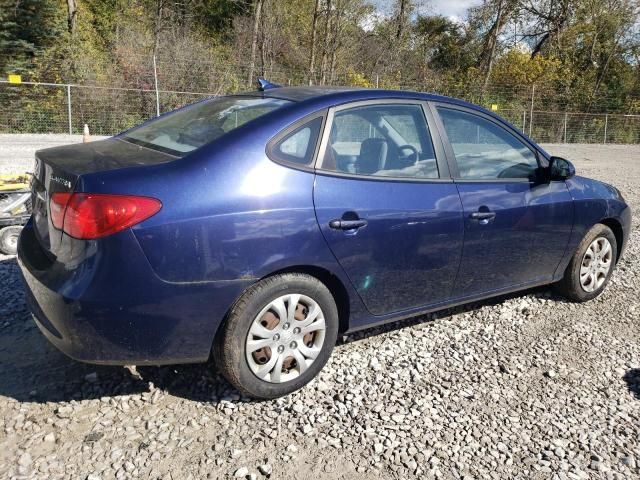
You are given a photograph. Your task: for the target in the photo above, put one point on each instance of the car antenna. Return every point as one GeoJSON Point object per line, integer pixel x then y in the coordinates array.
{"type": "Point", "coordinates": [263, 84]}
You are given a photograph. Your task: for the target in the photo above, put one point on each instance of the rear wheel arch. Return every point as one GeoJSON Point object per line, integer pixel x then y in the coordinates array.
{"type": "Point", "coordinates": [254, 375]}
{"type": "Point", "coordinates": [332, 282]}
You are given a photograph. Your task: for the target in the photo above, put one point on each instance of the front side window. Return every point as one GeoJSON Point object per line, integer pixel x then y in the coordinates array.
{"type": "Point", "coordinates": [298, 146]}
{"type": "Point", "coordinates": [185, 130]}
{"type": "Point", "coordinates": [381, 140]}
{"type": "Point", "coordinates": [484, 150]}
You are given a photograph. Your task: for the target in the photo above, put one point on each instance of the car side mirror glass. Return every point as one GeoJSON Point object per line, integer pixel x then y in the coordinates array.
{"type": "Point", "coordinates": [561, 168]}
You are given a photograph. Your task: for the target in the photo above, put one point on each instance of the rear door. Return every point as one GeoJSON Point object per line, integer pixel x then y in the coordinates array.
{"type": "Point", "coordinates": [387, 206]}
{"type": "Point", "coordinates": [516, 225]}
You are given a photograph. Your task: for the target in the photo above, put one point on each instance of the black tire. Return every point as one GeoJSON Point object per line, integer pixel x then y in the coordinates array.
{"type": "Point", "coordinates": [230, 344]}
{"type": "Point", "coordinates": [9, 239]}
{"type": "Point", "coordinates": [570, 285]}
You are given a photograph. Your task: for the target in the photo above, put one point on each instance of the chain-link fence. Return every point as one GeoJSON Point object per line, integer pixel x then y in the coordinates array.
{"type": "Point", "coordinates": [55, 108]}
{"type": "Point", "coordinates": [58, 108]}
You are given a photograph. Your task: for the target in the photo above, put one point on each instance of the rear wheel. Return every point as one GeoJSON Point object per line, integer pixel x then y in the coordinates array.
{"type": "Point", "coordinates": [9, 239]}
{"type": "Point", "coordinates": [591, 265]}
{"type": "Point", "coordinates": [278, 336]}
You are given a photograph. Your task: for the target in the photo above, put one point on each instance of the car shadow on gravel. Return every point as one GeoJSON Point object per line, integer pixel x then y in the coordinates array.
{"type": "Point", "coordinates": [33, 370]}
{"type": "Point", "coordinates": [632, 378]}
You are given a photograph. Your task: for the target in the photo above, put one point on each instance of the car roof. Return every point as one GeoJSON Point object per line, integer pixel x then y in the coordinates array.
{"type": "Point", "coordinates": [348, 94]}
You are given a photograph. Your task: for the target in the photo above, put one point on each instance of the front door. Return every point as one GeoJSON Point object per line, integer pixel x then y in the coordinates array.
{"type": "Point", "coordinates": [386, 205]}
{"type": "Point", "coordinates": [516, 226]}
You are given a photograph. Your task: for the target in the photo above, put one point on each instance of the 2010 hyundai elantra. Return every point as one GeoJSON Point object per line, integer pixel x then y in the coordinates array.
{"type": "Point", "coordinates": [256, 227]}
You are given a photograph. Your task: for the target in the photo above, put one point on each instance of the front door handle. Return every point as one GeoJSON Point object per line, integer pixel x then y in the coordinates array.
{"type": "Point", "coordinates": [483, 218]}
{"type": "Point", "coordinates": [347, 224]}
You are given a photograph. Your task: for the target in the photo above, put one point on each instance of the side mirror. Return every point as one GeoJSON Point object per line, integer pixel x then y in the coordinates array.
{"type": "Point", "coordinates": [561, 168]}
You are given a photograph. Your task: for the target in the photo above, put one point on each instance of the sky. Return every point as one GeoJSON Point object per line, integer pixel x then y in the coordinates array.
{"type": "Point", "coordinates": [450, 8]}
{"type": "Point", "coordinates": [455, 9]}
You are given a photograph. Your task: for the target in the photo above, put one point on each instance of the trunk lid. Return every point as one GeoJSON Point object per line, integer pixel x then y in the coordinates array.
{"type": "Point", "coordinates": [58, 169]}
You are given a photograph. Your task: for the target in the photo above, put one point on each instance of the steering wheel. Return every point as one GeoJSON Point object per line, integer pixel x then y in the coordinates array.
{"type": "Point", "coordinates": [414, 151]}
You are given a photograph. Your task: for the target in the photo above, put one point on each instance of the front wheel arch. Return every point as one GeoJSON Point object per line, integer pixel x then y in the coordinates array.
{"type": "Point", "coordinates": [569, 285]}
{"type": "Point", "coordinates": [616, 228]}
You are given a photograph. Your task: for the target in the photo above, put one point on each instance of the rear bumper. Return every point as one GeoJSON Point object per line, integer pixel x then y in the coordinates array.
{"type": "Point", "coordinates": [111, 308]}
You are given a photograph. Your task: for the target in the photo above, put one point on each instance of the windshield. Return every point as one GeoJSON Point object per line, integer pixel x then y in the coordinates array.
{"type": "Point", "coordinates": [185, 130]}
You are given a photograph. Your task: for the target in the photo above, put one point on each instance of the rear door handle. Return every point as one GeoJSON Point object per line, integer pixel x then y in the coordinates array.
{"type": "Point", "coordinates": [347, 224]}
{"type": "Point", "coordinates": [483, 215]}
{"type": "Point", "coordinates": [483, 218]}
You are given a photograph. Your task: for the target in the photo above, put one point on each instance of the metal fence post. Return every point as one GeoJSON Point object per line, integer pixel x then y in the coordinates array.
{"type": "Point", "coordinates": [606, 123]}
{"type": "Point", "coordinates": [69, 109]}
{"type": "Point", "coordinates": [533, 93]}
{"type": "Point", "coordinates": [155, 78]}
{"type": "Point", "coordinates": [565, 127]}
{"type": "Point", "coordinates": [524, 120]}
{"type": "Point", "coordinates": [377, 81]}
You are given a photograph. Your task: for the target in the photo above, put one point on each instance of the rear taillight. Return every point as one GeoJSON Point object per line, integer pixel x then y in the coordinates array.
{"type": "Point", "coordinates": [95, 215]}
{"type": "Point", "coordinates": [57, 206]}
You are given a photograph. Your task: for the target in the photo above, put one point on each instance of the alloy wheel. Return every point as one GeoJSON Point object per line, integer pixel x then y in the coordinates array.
{"type": "Point", "coordinates": [596, 263]}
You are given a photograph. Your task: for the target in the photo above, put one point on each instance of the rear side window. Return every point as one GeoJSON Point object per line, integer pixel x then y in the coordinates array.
{"type": "Point", "coordinates": [185, 130]}
{"type": "Point", "coordinates": [484, 150]}
{"type": "Point", "coordinates": [299, 145]}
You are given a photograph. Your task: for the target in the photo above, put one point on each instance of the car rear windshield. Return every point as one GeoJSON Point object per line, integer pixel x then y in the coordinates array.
{"type": "Point", "coordinates": [185, 130]}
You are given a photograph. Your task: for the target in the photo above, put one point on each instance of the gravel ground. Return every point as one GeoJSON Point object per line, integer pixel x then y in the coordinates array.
{"type": "Point", "coordinates": [525, 386]}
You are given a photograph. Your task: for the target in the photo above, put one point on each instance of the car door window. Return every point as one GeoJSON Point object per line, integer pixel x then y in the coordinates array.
{"type": "Point", "coordinates": [484, 150]}
{"type": "Point", "coordinates": [299, 145]}
{"type": "Point", "coordinates": [381, 140]}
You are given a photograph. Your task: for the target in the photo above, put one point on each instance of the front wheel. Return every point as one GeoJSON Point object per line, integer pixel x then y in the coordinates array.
{"type": "Point", "coordinates": [591, 266]}
{"type": "Point", "coordinates": [278, 336]}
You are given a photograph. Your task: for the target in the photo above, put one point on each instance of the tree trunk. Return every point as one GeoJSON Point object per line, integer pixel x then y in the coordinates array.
{"type": "Point", "coordinates": [72, 12]}
{"type": "Point", "coordinates": [158, 25]}
{"type": "Point", "coordinates": [538, 47]}
{"type": "Point", "coordinates": [257, 13]}
{"type": "Point", "coordinates": [263, 46]}
{"type": "Point", "coordinates": [326, 43]}
{"type": "Point", "coordinates": [335, 40]}
{"type": "Point", "coordinates": [491, 41]}
{"type": "Point", "coordinates": [602, 73]}
{"type": "Point", "coordinates": [314, 39]}
{"type": "Point", "coordinates": [402, 11]}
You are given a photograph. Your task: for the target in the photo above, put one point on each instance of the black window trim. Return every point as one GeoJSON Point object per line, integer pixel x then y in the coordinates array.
{"type": "Point", "coordinates": [438, 145]}
{"type": "Point", "coordinates": [451, 158]}
{"type": "Point", "coordinates": [307, 167]}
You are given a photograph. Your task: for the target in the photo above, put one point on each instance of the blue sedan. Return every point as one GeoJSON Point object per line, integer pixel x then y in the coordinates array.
{"type": "Point", "coordinates": [255, 228]}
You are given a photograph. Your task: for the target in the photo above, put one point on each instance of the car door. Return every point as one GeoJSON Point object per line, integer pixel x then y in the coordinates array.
{"type": "Point", "coordinates": [517, 225]}
{"type": "Point", "coordinates": [387, 206]}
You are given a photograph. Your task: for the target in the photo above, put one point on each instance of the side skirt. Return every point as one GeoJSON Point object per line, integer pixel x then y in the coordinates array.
{"type": "Point", "coordinates": [376, 321]}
